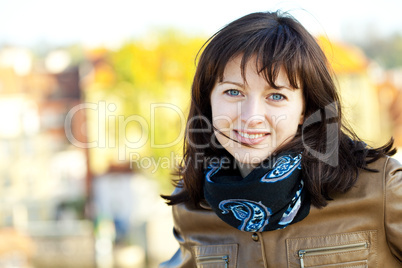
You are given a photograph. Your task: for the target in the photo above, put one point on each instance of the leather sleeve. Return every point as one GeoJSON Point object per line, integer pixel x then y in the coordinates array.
{"type": "Point", "coordinates": [179, 259]}
{"type": "Point", "coordinates": [393, 206]}
{"type": "Point", "coordinates": [182, 258]}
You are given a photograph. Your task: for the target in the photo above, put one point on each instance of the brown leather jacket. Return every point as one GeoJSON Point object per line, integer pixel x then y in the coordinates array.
{"type": "Point", "coordinates": [362, 228]}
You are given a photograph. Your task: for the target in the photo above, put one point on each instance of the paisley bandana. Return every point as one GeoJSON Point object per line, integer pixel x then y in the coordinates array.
{"type": "Point", "coordinates": [271, 197]}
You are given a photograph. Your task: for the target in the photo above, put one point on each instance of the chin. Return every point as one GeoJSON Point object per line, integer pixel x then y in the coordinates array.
{"type": "Point", "coordinates": [250, 159]}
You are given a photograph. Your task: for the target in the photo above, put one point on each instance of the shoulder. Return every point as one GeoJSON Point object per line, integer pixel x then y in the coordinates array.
{"type": "Point", "coordinates": [379, 179]}
{"type": "Point", "coordinates": [393, 167]}
{"type": "Point", "coordinates": [387, 178]}
{"type": "Point", "coordinates": [393, 179]}
{"type": "Point", "coordinates": [393, 209]}
{"type": "Point", "coordinates": [387, 167]}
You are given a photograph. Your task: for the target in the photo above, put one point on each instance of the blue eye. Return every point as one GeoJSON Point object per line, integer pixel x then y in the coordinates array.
{"type": "Point", "coordinates": [233, 92]}
{"type": "Point", "coordinates": [277, 97]}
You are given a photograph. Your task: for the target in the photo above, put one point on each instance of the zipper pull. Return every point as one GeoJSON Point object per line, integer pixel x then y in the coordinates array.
{"type": "Point", "coordinates": [226, 259]}
{"type": "Point", "coordinates": [301, 256]}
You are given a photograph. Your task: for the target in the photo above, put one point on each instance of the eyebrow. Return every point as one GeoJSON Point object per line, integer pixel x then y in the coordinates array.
{"type": "Point", "coordinates": [243, 85]}
{"type": "Point", "coordinates": [233, 83]}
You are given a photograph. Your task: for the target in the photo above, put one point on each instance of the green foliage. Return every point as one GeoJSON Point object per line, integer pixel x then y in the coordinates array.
{"type": "Point", "coordinates": [387, 51]}
{"type": "Point", "coordinates": [149, 78]}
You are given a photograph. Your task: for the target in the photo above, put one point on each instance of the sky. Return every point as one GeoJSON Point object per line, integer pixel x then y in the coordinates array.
{"type": "Point", "coordinates": [95, 22]}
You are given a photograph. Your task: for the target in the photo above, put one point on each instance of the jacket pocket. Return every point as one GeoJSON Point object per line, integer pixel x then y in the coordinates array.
{"type": "Point", "coordinates": [346, 250]}
{"type": "Point", "coordinates": [353, 264]}
{"type": "Point", "coordinates": [216, 256]}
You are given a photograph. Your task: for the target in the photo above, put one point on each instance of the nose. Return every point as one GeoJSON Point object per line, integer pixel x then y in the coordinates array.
{"type": "Point", "coordinates": [252, 113]}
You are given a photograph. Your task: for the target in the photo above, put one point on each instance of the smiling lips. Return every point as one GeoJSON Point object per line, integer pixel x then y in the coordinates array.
{"type": "Point", "coordinates": [251, 137]}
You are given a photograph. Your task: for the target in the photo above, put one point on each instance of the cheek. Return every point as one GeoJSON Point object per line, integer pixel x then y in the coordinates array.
{"type": "Point", "coordinates": [285, 122]}
{"type": "Point", "coordinates": [215, 109]}
{"type": "Point", "coordinates": [223, 115]}
{"type": "Point", "coordinates": [277, 118]}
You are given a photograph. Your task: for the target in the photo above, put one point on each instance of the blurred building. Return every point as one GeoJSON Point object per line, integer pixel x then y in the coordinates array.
{"type": "Point", "coordinates": [389, 88]}
{"type": "Point", "coordinates": [46, 180]}
{"type": "Point", "coordinates": [367, 95]}
{"type": "Point", "coordinates": [43, 177]}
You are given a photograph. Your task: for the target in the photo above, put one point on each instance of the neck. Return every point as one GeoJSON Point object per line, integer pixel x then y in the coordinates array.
{"type": "Point", "coordinates": [245, 168]}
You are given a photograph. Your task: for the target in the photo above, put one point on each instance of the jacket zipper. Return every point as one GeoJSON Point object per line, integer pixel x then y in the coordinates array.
{"type": "Point", "coordinates": [213, 259]}
{"type": "Point", "coordinates": [327, 250]}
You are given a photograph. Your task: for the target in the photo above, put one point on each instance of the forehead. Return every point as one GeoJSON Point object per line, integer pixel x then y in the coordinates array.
{"type": "Point", "coordinates": [250, 72]}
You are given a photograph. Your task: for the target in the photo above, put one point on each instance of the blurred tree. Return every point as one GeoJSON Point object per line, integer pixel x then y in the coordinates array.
{"type": "Point", "coordinates": [386, 50]}
{"type": "Point", "coordinates": [358, 91]}
{"type": "Point", "coordinates": [146, 85]}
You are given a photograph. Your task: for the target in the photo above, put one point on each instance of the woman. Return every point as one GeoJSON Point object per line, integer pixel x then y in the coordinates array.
{"type": "Point", "coordinates": [271, 176]}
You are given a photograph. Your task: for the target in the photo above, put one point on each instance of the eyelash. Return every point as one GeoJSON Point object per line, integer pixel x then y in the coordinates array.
{"type": "Point", "coordinates": [283, 97]}
{"type": "Point", "coordinates": [229, 92]}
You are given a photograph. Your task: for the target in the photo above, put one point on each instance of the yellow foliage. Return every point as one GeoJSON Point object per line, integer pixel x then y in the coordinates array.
{"type": "Point", "coordinates": [342, 57]}
{"type": "Point", "coordinates": [104, 74]}
{"type": "Point", "coordinates": [150, 79]}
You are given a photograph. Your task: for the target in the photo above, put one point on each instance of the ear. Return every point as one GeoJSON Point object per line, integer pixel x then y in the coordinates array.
{"type": "Point", "coordinates": [301, 119]}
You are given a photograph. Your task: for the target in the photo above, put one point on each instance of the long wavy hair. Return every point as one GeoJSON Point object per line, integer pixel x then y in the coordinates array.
{"type": "Point", "coordinates": [332, 153]}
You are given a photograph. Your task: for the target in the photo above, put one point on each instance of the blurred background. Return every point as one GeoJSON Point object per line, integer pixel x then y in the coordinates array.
{"type": "Point", "coordinates": [93, 100]}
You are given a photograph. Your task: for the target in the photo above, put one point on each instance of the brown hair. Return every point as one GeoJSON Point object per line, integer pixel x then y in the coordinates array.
{"type": "Point", "coordinates": [332, 153]}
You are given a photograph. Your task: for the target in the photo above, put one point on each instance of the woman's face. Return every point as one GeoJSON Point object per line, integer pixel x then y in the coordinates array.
{"type": "Point", "coordinates": [253, 113]}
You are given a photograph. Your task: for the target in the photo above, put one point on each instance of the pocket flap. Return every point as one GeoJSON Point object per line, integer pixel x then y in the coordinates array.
{"type": "Point", "coordinates": [216, 256]}
{"type": "Point", "coordinates": [336, 250]}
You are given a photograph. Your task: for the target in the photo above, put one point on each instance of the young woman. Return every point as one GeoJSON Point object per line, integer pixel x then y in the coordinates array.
{"type": "Point", "coordinates": [271, 175]}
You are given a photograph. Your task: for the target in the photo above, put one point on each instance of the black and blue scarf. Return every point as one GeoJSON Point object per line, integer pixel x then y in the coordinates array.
{"type": "Point", "coordinates": [271, 197]}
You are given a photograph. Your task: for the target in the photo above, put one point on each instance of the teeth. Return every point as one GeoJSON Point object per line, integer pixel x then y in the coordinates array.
{"type": "Point", "coordinates": [250, 136]}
